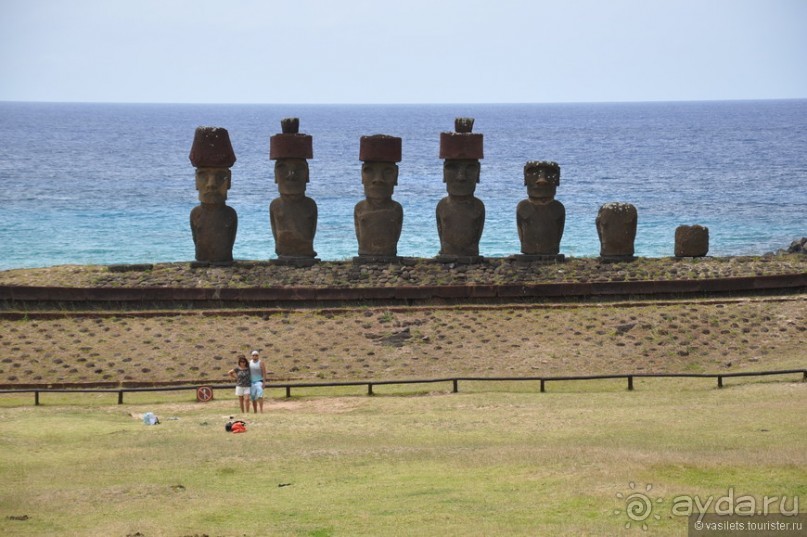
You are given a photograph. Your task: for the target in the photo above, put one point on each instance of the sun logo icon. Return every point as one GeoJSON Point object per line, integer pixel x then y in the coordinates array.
{"type": "Point", "coordinates": [638, 506]}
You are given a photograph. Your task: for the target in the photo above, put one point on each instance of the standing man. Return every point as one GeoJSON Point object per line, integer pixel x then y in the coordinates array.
{"type": "Point", "coordinates": [257, 376]}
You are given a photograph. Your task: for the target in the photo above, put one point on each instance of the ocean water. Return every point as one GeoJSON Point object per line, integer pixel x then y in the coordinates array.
{"type": "Point", "coordinates": [112, 183]}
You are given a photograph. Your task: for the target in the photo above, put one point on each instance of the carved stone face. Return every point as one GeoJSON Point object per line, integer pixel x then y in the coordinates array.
{"type": "Point", "coordinates": [542, 181]}
{"type": "Point", "coordinates": [461, 176]}
{"type": "Point", "coordinates": [291, 175]}
{"type": "Point", "coordinates": [379, 179]}
{"type": "Point", "coordinates": [212, 184]}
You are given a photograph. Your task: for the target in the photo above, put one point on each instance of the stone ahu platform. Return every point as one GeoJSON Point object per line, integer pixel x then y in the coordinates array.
{"type": "Point", "coordinates": [411, 281]}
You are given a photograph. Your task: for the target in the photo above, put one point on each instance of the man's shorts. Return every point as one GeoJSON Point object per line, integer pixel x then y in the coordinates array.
{"type": "Point", "coordinates": [240, 391]}
{"type": "Point", "coordinates": [256, 391]}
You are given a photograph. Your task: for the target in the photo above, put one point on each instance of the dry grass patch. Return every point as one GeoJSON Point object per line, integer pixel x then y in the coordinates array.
{"type": "Point", "coordinates": [384, 344]}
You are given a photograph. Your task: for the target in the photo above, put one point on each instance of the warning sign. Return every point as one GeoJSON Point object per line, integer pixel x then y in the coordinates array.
{"type": "Point", "coordinates": [204, 394]}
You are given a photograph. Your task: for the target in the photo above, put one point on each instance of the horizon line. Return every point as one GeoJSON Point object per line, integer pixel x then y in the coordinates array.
{"type": "Point", "coordinates": [509, 103]}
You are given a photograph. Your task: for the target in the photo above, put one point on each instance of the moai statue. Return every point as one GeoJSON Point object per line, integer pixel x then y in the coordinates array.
{"type": "Point", "coordinates": [460, 215]}
{"type": "Point", "coordinates": [293, 216]}
{"type": "Point", "coordinates": [540, 218]}
{"type": "Point", "coordinates": [691, 241]}
{"type": "Point", "coordinates": [616, 227]}
{"type": "Point", "coordinates": [213, 223]}
{"type": "Point", "coordinates": [378, 218]}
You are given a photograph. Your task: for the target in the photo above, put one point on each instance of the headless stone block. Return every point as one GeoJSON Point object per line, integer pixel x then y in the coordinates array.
{"type": "Point", "coordinates": [616, 227]}
{"type": "Point", "coordinates": [691, 241]}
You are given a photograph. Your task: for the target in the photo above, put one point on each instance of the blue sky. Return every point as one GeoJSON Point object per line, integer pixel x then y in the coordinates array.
{"type": "Point", "coordinates": [401, 51]}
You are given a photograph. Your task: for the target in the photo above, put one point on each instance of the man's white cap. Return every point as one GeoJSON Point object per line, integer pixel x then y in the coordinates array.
{"type": "Point", "coordinates": [254, 353]}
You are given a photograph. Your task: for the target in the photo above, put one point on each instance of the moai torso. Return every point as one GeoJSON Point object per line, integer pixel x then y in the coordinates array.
{"type": "Point", "coordinates": [378, 227]}
{"type": "Point", "coordinates": [214, 228]}
{"type": "Point", "coordinates": [460, 221]}
{"type": "Point", "coordinates": [540, 227]}
{"type": "Point", "coordinates": [294, 225]}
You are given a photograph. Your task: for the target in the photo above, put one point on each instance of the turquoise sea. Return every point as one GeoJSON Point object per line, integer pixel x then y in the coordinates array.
{"type": "Point", "coordinates": [112, 183]}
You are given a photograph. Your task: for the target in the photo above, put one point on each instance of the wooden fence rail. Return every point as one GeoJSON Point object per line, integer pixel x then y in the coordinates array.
{"type": "Point", "coordinates": [630, 378]}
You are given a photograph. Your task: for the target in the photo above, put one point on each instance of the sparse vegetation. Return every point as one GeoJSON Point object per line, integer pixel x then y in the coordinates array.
{"type": "Point", "coordinates": [710, 336]}
{"type": "Point", "coordinates": [493, 271]}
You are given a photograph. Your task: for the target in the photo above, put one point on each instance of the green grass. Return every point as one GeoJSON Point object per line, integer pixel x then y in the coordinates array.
{"type": "Point", "coordinates": [416, 461]}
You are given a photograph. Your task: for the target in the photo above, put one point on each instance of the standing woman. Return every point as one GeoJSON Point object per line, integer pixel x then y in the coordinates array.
{"type": "Point", "coordinates": [243, 383]}
{"type": "Point", "coordinates": [257, 374]}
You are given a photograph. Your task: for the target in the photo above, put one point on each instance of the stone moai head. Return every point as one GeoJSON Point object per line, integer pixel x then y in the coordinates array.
{"type": "Point", "coordinates": [616, 227]}
{"type": "Point", "coordinates": [462, 151]}
{"type": "Point", "coordinates": [379, 171]}
{"type": "Point", "coordinates": [289, 150]}
{"type": "Point", "coordinates": [542, 178]}
{"type": "Point", "coordinates": [212, 155]}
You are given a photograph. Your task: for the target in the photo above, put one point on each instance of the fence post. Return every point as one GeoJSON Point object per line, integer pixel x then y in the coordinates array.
{"type": "Point", "coordinates": [288, 392]}
{"type": "Point", "coordinates": [720, 381]}
{"type": "Point", "coordinates": [804, 378]}
{"type": "Point", "coordinates": [543, 389]}
{"type": "Point", "coordinates": [120, 397]}
{"type": "Point", "coordinates": [369, 388]}
{"type": "Point", "coordinates": [36, 397]}
{"type": "Point", "coordinates": [630, 383]}
{"type": "Point", "coordinates": [456, 385]}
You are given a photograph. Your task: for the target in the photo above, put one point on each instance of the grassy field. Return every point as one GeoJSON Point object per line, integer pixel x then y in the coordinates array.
{"type": "Point", "coordinates": [495, 459]}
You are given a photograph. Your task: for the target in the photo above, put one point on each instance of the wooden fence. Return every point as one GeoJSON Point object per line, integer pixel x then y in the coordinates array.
{"type": "Point", "coordinates": [454, 381]}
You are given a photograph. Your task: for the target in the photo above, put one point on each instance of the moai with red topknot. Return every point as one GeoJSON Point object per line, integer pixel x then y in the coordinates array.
{"type": "Point", "coordinates": [378, 218]}
{"type": "Point", "coordinates": [293, 216]}
{"type": "Point", "coordinates": [460, 215]}
{"type": "Point", "coordinates": [213, 223]}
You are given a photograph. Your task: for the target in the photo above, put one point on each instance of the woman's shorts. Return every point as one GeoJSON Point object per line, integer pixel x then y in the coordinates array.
{"type": "Point", "coordinates": [240, 391]}
{"type": "Point", "coordinates": [256, 391]}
